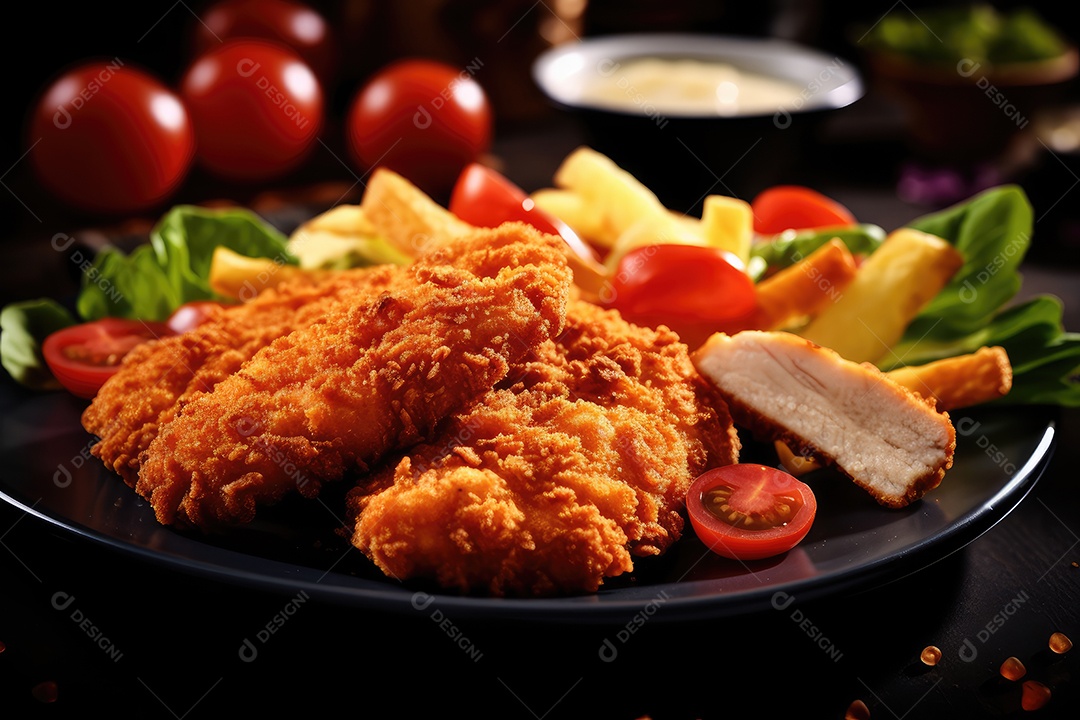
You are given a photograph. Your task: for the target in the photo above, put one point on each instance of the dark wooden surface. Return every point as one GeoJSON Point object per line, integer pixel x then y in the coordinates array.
{"type": "Point", "coordinates": [179, 639]}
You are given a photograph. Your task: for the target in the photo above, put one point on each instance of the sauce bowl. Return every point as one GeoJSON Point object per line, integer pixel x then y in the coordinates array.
{"type": "Point", "coordinates": [684, 154]}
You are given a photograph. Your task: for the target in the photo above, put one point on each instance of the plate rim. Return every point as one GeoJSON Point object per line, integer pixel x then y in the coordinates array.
{"type": "Point", "coordinates": [590, 608]}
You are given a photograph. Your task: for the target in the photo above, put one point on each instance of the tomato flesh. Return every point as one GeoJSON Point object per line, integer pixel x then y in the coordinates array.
{"type": "Point", "coordinates": [785, 207]}
{"type": "Point", "coordinates": [703, 284]}
{"type": "Point", "coordinates": [83, 357]}
{"type": "Point", "coordinates": [749, 512]}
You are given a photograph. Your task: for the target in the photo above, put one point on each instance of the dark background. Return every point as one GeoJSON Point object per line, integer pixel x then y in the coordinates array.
{"type": "Point", "coordinates": [179, 635]}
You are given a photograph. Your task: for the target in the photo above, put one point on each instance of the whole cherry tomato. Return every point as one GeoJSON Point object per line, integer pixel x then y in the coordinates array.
{"type": "Point", "coordinates": [257, 109]}
{"type": "Point", "coordinates": [685, 282]}
{"type": "Point", "coordinates": [294, 24]}
{"type": "Point", "coordinates": [784, 207]}
{"type": "Point", "coordinates": [423, 119]}
{"type": "Point", "coordinates": [110, 138]}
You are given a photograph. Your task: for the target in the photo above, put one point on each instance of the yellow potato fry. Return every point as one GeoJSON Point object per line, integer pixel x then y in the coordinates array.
{"type": "Point", "coordinates": [889, 289]}
{"type": "Point", "coordinates": [404, 214]}
{"type": "Point", "coordinates": [574, 210]}
{"type": "Point", "coordinates": [794, 464]}
{"type": "Point", "coordinates": [240, 277]}
{"type": "Point", "coordinates": [805, 288]}
{"type": "Point", "coordinates": [961, 381]}
{"type": "Point", "coordinates": [342, 237]}
{"type": "Point", "coordinates": [619, 198]}
{"type": "Point", "coordinates": [728, 224]}
{"type": "Point", "coordinates": [347, 220]}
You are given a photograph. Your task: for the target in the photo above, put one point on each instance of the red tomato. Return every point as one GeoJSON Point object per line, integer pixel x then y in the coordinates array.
{"type": "Point", "coordinates": [422, 119]}
{"type": "Point", "coordinates": [106, 137]}
{"type": "Point", "coordinates": [682, 281]}
{"type": "Point", "coordinates": [257, 109]}
{"type": "Point", "coordinates": [485, 198]}
{"type": "Point", "coordinates": [83, 357]}
{"type": "Point", "coordinates": [293, 24]}
{"type": "Point", "coordinates": [792, 206]}
{"type": "Point", "coordinates": [747, 511]}
{"type": "Point", "coordinates": [192, 315]}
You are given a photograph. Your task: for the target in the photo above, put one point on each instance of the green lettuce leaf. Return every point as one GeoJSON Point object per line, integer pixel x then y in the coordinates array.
{"type": "Point", "coordinates": [993, 231]}
{"type": "Point", "coordinates": [174, 267]}
{"type": "Point", "coordinates": [790, 246]}
{"type": "Point", "coordinates": [23, 328]}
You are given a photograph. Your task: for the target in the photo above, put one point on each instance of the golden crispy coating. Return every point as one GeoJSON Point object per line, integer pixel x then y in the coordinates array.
{"type": "Point", "coordinates": [558, 478]}
{"type": "Point", "coordinates": [158, 378]}
{"type": "Point", "coordinates": [366, 378]}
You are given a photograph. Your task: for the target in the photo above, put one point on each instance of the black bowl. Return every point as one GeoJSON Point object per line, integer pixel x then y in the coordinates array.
{"type": "Point", "coordinates": [685, 156]}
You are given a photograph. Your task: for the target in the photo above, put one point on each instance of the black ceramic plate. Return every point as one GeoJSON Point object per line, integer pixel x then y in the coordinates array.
{"type": "Point", "coordinates": [46, 470]}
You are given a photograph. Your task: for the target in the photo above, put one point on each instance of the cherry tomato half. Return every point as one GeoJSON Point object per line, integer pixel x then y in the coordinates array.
{"type": "Point", "coordinates": [784, 207]}
{"type": "Point", "coordinates": [682, 281]}
{"type": "Point", "coordinates": [486, 198]}
{"type": "Point", "coordinates": [257, 109]}
{"type": "Point", "coordinates": [83, 357]}
{"type": "Point", "coordinates": [748, 512]}
{"type": "Point", "coordinates": [423, 119]}
{"type": "Point", "coordinates": [293, 24]}
{"type": "Point", "coordinates": [108, 138]}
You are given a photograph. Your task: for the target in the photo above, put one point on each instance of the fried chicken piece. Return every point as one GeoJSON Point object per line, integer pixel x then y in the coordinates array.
{"type": "Point", "coordinates": [160, 377]}
{"type": "Point", "coordinates": [888, 440]}
{"type": "Point", "coordinates": [364, 380]}
{"type": "Point", "coordinates": [556, 480]}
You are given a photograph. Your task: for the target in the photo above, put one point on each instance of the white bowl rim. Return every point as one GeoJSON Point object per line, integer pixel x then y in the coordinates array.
{"type": "Point", "coordinates": [833, 82]}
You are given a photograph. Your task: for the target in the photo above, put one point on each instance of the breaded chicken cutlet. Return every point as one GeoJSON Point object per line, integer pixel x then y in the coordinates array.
{"type": "Point", "coordinates": [557, 479]}
{"type": "Point", "coordinates": [372, 372]}
{"type": "Point", "coordinates": [157, 379]}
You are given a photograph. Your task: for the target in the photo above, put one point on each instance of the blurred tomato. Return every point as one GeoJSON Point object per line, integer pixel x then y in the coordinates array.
{"type": "Point", "coordinates": [784, 207]}
{"type": "Point", "coordinates": [293, 24]}
{"type": "Point", "coordinates": [683, 282]}
{"type": "Point", "coordinates": [257, 109]}
{"type": "Point", "coordinates": [108, 138]}
{"type": "Point", "coordinates": [423, 119]}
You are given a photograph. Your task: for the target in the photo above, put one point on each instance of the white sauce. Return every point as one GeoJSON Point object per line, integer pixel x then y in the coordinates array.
{"type": "Point", "coordinates": [689, 87]}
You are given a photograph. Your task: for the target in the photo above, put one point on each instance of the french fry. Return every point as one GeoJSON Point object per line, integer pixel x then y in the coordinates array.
{"type": "Point", "coordinates": [406, 216]}
{"type": "Point", "coordinates": [961, 381]}
{"type": "Point", "coordinates": [617, 196]}
{"type": "Point", "coordinates": [889, 289]}
{"type": "Point", "coordinates": [574, 210]}
{"type": "Point", "coordinates": [241, 278]}
{"type": "Point", "coordinates": [346, 220]}
{"type": "Point", "coordinates": [805, 288]}
{"type": "Point", "coordinates": [728, 223]}
{"type": "Point", "coordinates": [342, 237]}
{"type": "Point", "coordinates": [795, 464]}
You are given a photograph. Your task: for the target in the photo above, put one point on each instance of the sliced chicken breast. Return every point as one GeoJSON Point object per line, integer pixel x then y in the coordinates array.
{"type": "Point", "coordinates": [847, 415]}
